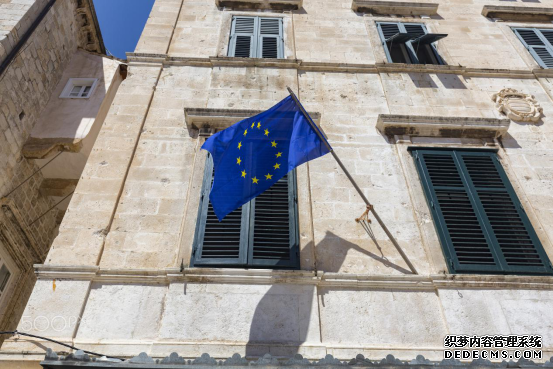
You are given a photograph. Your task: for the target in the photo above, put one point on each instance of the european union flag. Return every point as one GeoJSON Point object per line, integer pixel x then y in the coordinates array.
{"type": "Point", "coordinates": [253, 154]}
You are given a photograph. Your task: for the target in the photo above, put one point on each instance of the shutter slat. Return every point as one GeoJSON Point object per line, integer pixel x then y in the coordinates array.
{"type": "Point", "coordinates": [218, 243]}
{"type": "Point", "coordinates": [533, 39]}
{"type": "Point", "coordinates": [478, 217]}
{"type": "Point", "coordinates": [497, 205]}
{"type": "Point", "coordinates": [270, 26]}
{"type": "Point", "coordinates": [244, 25]}
{"type": "Point", "coordinates": [389, 29]}
{"type": "Point", "coordinates": [417, 29]}
{"type": "Point", "coordinates": [265, 206]}
{"type": "Point", "coordinates": [243, 46]}
{"type": "Point", "coordinates": [464, 231]}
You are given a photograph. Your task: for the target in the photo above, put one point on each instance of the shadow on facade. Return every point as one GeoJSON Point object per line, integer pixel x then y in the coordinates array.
{"type": "Point", "coordinates": [281, 321]}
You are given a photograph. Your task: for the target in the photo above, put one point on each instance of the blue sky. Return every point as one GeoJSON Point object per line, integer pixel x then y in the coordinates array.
{"type": "Point", "coordinates": [121, 23]}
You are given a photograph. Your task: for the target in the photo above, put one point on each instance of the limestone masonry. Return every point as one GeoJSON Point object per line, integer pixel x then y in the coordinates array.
{"type": "Point", "coordinates": [441, 111]}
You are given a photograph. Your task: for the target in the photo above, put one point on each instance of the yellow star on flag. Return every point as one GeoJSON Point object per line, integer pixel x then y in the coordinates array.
{"type": "Point", "coordinates": [268, 176]}
{"type": "Point", "coordinates": [276, 166]}
{"type": "Point", "coordinates": [255, 180]}
{"type": "Point", "coordinates": [238, 161]}
{"type": "Point", "coordinates": [245, 132]}
{"type": "Point", "coordinates": [273, 143]}
{"type": "Point", "coordinates": [259, 125]}
{"type": "Point", "coordinates": [253, 124]}
{"type": "Point", "coordinates": [239, 145]}
{"type": "Point", "coordinates": [266, 132]}
{"type": "Point", "coordinates": [278, 155]}
{"type": "Point", "coordinates": [243, 174]}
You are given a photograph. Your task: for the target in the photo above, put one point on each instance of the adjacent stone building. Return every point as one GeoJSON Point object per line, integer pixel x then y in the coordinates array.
{"type": "Point", "coordinates": [440, 110]}
{"type": "Point", "coordinates": [56, 85]}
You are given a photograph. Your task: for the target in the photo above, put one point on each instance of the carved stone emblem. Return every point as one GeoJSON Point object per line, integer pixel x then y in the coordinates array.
{"type": "Point", "coordinates": [517, 106]}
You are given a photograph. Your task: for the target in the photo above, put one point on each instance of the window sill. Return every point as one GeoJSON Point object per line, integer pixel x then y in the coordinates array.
{"type": "Point", "coordinates": [436, 126]}
{"type": "Point", "coordinates": [279, 5]}
{"type": "Point", "coordinates": [518, 13]}
{"type": "Point", "coordinates": [273, 276]}
{"type": "Point", "coordinates": [394, 7]}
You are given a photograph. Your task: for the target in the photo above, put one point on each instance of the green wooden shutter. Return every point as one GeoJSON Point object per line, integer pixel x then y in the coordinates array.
{"type": "Point", "coordinates": [219, 243]}
{"type": "Point", "coordinates": [262, 233]}
{"type": "Point", "coordinates": [480, 222]}
{"type": "Point", "coordinates": [537, 44]}
{"type": "Point", "coordinates": [270, 42]}
{"type": "Point", "coordinates": [386, 31]}
{"type": "Point", "coordinates": [507, 223]}
{"type": "Point", "coordinates": [274, 238]}
{"type": "Point", "coordinates": [243, 40]}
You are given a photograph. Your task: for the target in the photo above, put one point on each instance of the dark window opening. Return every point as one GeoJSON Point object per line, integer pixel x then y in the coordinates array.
{"type": "Point", "coordinates": [409, 43]}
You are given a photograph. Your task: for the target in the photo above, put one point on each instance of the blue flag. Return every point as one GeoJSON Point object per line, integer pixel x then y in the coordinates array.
{"type": "Point", "coordinates": [253, 154]}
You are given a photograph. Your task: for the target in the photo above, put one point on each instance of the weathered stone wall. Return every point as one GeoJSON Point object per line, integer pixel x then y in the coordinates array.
{"type": "Point", "coordinates": [120, 264]}
{"type": "Point", "coordinates": [25, 88]}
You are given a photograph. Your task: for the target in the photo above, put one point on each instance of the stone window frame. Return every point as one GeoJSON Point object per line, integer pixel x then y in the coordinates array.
{"type": "Point", "coordinates": [5, 259]}
{"type": "Point", "coordinates": [79, 81]}
{"type": "Point", "coordinates": [423, 216]}
{"type": "Point", "coordinates": [374, 37]}
{"type": "Point", "coordinates": [287, 31]}
{"type": "Point", "coordinates": [18, 248]}
{"type": "Point", "coordinates": [190, 219]}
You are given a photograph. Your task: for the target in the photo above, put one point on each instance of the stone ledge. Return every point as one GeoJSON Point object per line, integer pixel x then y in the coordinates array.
{"type": "Point", "coordinates": [518, 13]}
{"type": "Point", "coordinates": [144, 59]}
{"type": "Point", "coordinates": [305, 277]}
{"type": "Point", "coordinates": [436, 126]}
{"type": "Point", "coordinates": [394, 7]}
{"type": "Point", "coordinates": [207, 121]}
{"type": "Point", "coordinates": [40, 148]}
{"type": "Point", "coordinates": [278, 5]}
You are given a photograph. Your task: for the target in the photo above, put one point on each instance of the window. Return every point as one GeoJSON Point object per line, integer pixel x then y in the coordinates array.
{"type": "Point", "coordinates": [5, 275]}
{"type": "Point", "coordinates": [409, 43]}
{"type": "Point", "coordinates": [481, 223]}
{"type": "Point", "coordinates": [262, 233]}
{"type": "Point", "coordinates": [79, 88]}
{"type": "Point", "coordinates": [539, 43]}
{"type": "Point", "coordinates": [256, 37]}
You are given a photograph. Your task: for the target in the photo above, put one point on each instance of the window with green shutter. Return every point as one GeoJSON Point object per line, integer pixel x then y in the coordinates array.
{"type": "Point", "coordinates": [539, 43]}
{"type": "Point", "coordinates": [480, 221]}
{"type": "Point", "coordinates": [409, 43]}
{"type": "Point", "coordinates": [262, 233]}
{"type": "Point", "coordinates": [256, 37]}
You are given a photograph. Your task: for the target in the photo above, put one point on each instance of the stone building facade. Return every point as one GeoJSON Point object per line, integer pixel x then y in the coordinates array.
{"type": "Point", "coordinates": [441, 112]}
{"type": "Point", "coordinates": [43, 44]}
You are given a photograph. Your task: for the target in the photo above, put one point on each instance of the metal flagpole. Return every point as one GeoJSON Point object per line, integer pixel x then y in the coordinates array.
{"type": "Point", "coordinates": [369, 205]}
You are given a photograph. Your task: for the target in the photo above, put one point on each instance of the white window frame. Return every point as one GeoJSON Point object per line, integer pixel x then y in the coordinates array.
{"type": "Point", "coordinates": [84, 82]}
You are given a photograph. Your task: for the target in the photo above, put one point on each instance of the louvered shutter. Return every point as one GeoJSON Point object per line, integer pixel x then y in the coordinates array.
{"type": "Point", "coordinates": [274, 236]}
{"type": "Point", "coordinates": [243, 42]}
{"type": "Point", "coordinates": [262, 233]}
{"type": "Point", "coordinates": [508, 225]}
{"type": "Point", "coordinates": [387, 30]}
{"type": "Point", "coordinates": [478, 217]}
{"type": "Point", "coordinates": [219, 243]}
{"type": "Point", "coordinates": [417, 29]}
{"type": "Point", "coordinates": [270, 38]}
{"type": "Point", "coordinates": [537, 44]}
